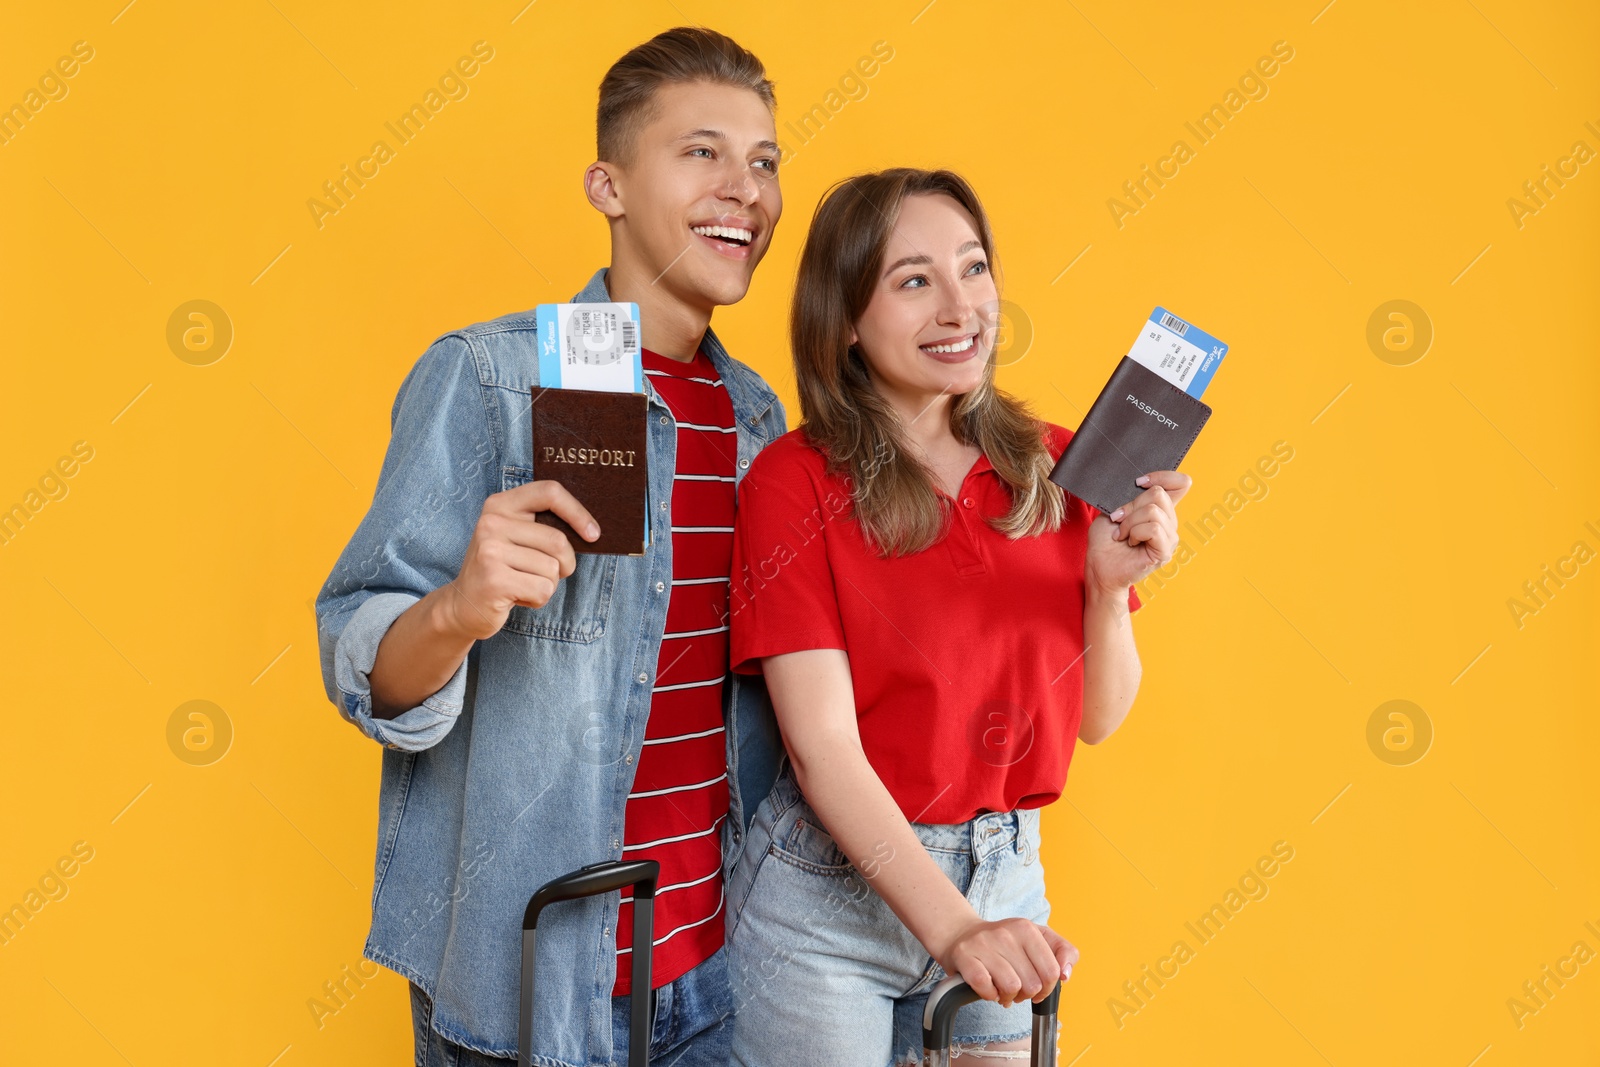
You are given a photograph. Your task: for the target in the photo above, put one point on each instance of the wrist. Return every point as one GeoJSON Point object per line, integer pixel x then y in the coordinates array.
{"type": "Point", "coordinates": [442, 615]}
{"type": "Point", "coordinates": [1097, 597]}
{"type": "Point", "coordinates": [948, 929]}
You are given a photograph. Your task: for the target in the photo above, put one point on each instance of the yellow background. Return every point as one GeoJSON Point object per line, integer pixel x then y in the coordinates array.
{"type": "Point", "coordinates": [181, 563]}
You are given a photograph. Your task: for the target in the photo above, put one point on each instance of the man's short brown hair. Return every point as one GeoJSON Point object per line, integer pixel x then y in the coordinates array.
{"type": "Point", "coordinates": [682, 54]}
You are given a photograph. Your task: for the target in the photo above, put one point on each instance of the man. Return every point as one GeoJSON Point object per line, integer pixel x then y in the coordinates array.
{"type": "Point", "coordinates": [542, 710]}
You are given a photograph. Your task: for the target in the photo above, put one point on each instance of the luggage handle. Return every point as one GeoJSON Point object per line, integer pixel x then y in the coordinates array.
{"type": "Point", "coordinates": [952, 994]}
{"type": "Point", "coordinates": [596, 878]}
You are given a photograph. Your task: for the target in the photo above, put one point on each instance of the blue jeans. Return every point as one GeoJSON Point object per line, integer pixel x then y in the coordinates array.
{"type": "Point", "coordinates": [693, 1024]}
{"type": "Point", "coordinates": [825, 973]}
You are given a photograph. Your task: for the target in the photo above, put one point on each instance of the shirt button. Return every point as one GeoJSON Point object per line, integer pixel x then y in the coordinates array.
{"type": "Point", "coordinates": [628, 759]}
{"type": "Point", "coordinates": [615, 843]}
{"type": "Point", "coordinates": [663, 505]}
{"type": "Point", "coordinates": [966, 502]}
{"type": "Point", "coordinates": [643, 677]}
{"type": "Point", "coordinates": [661, 587]}
{"type": "Point", "coordinates": [663, 420]}
{"type": "Point", "coordinates": [743, 463]}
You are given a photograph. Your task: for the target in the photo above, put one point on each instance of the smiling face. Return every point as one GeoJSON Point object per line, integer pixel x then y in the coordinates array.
{"type": "Point", "coordinates": [696, 204]}
{"type": "Point", "coordinates": [930, 325]}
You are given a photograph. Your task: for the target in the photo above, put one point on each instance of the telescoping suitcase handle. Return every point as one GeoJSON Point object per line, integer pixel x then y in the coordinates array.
{"type": "Point", "coordinates": [952, 994]}
{"type": "Point", "coordinates": [589, 881]}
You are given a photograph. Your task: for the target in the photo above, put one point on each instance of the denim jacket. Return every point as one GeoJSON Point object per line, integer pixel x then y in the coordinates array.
{"type": "Point", "coordinates": [516, 771]}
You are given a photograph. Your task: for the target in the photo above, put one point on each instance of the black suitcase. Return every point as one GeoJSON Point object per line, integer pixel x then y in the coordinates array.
{"type": "Point", "coordinates": [607, 877]}
{"type": "Point", "coordinates": [950, 995]}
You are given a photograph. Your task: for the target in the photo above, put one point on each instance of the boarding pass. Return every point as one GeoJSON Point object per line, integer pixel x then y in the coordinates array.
{"type": "Point", "coordinates": [1178, 351]}
{"type": "Point", "coordinates": [590, 346]}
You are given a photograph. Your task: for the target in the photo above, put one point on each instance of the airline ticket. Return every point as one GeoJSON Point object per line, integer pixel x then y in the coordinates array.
{"type": "Point", "coordinates": [590, 346]}
{"type": "Point", "coordinates": [1179, 351]}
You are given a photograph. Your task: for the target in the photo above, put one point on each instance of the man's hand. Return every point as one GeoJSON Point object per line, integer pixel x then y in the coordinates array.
{"type": "Point", "coordinates": [1138, 537]}
{"type": "Point", "coordinates": [513, 560]}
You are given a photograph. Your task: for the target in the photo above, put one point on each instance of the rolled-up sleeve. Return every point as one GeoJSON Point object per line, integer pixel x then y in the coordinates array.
{"type": "Point", "coordinates": [439, 468]}
{"type": "Point", "coordinates": [356, 649]}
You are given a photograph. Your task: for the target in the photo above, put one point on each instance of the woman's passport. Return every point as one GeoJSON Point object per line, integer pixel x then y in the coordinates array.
{"type": "Point", "coordinates": [1145, 418]}
{"type": "Point", "coordinates": [590, 421]}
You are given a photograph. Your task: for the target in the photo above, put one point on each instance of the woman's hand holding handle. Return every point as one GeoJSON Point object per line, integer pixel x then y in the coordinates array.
{"type": "Point", "coordinates": [1008, 959]}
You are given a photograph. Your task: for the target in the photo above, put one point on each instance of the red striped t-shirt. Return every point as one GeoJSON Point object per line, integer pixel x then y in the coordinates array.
{"type": "Point", "coordinates": [679, 799]}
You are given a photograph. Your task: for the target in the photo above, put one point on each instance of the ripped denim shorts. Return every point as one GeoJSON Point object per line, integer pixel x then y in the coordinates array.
{"type": "Point", "coordinates": [825, 973]}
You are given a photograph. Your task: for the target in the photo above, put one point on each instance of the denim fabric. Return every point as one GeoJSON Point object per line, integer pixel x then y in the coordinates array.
{"type": "Point", "coordinates": [824, 972]}
{"type": "Point", "coordinates": [517, 770]}
{"type": "Point", "coordinates": [692, 1028]}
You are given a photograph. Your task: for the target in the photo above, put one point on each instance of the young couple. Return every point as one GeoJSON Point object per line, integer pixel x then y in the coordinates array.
{"type": "Point", "coordinates": [831, 717]}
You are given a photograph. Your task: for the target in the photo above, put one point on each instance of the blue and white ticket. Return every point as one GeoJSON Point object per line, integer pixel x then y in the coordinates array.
{"type": "Point", "coordinates": [590, 346]}
{"type": "Point", "coordinates": [1179, 351]}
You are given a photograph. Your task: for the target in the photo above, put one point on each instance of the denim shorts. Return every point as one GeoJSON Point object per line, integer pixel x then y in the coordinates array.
{"type": "Point", "coordinates": [825, 973]}
{"type": "Point", "coordinates": [692, 1028]}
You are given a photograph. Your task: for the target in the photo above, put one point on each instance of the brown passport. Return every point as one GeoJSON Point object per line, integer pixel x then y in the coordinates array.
{"type": "Point", "coordinates": [595, 444]}
{"type": "Point", "coordinates": [1139, 423]}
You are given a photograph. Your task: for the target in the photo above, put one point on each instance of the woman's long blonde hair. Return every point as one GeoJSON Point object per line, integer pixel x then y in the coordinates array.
{"type": "Point", "coordinates": [846, 419]}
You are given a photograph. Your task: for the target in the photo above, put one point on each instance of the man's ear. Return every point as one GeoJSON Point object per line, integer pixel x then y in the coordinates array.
{"type": "Point", "coordinates": [854, 338]}
{"type": "Point", "coordinates": [600, 186]}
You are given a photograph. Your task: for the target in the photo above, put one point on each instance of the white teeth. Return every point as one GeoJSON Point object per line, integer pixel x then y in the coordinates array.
{"type": "Point", "coordinates": [960, 346]}
{"type": "Point", "coordinates": [731, 232]}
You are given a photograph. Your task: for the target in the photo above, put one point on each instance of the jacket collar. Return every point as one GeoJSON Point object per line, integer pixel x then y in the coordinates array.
{"type": "Point", "coordinates": [752, 397]}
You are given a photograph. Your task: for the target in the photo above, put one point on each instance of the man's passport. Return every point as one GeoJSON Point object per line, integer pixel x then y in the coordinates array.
{"type": "Point", "coordinates": [1140, 423]}
{"type": "Point", "coordinates": [595, 444]}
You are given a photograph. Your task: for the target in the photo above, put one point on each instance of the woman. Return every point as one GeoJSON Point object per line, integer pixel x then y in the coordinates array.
{"type": "Point", "coordinates": [937, 623]}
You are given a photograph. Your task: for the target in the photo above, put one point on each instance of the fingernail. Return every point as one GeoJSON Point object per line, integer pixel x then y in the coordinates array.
{"type": "Point", "coordinates": [1143, 479]}
{"type": "Point", "coordinates": [1067, 975]}
{"type": "Point", "coordinates": [1116, 516]}
{"type": "Point", "coordinates": [593, 531]}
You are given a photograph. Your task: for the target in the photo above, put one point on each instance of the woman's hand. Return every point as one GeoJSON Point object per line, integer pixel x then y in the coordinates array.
{"type": "Point", "coordinates": [1009, 958]}
{"type": "Point", "coordinates": [1138, 537]}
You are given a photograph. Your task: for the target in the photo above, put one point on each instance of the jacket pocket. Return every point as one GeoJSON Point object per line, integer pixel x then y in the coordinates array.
{"type": "Point", "coordinates": [577, 610]}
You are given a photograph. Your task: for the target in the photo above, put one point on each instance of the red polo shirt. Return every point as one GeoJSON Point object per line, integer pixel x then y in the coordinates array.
{"type": "Point", "coordinates": [966, 658]}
